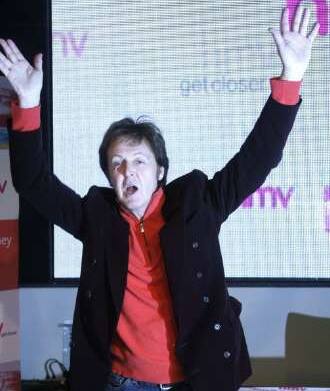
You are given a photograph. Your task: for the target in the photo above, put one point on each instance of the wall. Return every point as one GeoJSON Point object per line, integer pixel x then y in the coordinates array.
{"type": "Point", "coordinates": [264, 316]}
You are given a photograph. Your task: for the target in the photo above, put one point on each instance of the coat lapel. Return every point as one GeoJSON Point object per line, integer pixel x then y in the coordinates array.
{"type": "Point", "coordinates": [172, 242]}
{"type": "Point", "coordinates": [116, 251]}
{"type": "Point", "coordinates": [171, 239]}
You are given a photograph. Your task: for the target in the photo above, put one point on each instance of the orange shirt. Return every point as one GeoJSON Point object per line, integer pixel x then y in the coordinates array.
{"type": "Point", "coordinates": [144, 343]}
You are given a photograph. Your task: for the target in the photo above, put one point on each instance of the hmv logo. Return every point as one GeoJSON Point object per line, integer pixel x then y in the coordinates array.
{"type": "Point", "coordinates": [274, 197]}
{"type": "Point", "coordinates": [72, 44]}
{"type": "Point", "coordinates": [322, 13]}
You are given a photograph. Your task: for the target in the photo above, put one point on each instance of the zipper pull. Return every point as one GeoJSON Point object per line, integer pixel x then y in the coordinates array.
{"type": "Point", "coordinates": [141, 227]}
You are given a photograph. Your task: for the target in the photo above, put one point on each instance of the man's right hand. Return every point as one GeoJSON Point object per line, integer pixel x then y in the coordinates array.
{"type": "Point", "coordinates": [25, 79]}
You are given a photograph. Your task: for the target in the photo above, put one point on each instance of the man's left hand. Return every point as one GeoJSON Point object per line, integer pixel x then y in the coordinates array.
{"type": "Point", "coordinates": [294, 43]}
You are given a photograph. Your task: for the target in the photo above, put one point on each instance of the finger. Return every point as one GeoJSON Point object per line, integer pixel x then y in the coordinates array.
{"type": "Point", "coordinates": [313, 34]}
{"type": "Point", "coordinates": [9, 53]}
{"type": "Point", "coordinates": [38, 62]}
{"type": "Point", "coordinates": [304, 23]}
{"type": "Point", "coordinates": [5, 61]}
{"type": "Point", "coordinates": [285, 26]}
{"type": "Point", "coordinates": [16, 51]}
{"type": "Point", "coordinates": [278, 38]}
{"type": "Point", "coordinates": [4, 69]}
{"type": "Point", "coordinates": [297, 19]}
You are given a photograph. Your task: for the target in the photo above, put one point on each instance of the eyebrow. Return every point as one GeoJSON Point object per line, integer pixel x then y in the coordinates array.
{"type": "Point", "coordinates": [135, 154]}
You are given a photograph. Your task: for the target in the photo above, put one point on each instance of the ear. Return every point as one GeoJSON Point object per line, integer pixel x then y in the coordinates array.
{"type": "Point", "coordinates": [161, 171]}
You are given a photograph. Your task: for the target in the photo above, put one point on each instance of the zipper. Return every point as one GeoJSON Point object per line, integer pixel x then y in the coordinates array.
{"type": "Point", "coordinates": [141, 225]}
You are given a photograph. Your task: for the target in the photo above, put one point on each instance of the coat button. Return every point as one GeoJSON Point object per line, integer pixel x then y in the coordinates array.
{"type": "Point", "coordinates": [217, 326]}
{"type": "Point", "coordinates": [226, 354]}
{"type": "Point", "coordinates": [195, 245]}
{"type": "Point", "coordinates": [94, 262]}
{"type": "Point", "coordinates": [199, 274]}
{"type": "Point", "coordinates": [89, 294]}
{"type": "Point", "coordinates": [206, 299]}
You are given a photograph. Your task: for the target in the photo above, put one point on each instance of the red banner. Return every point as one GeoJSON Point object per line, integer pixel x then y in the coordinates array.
{"type": "Point", "coordinates": [8, 254]}
{"type": "Point", "coordinates": [9, 298]}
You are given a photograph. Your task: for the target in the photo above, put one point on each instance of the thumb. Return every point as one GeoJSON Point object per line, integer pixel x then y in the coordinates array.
{"type": "Point", "coordinates": [37, 61]}
{"type": "Point", "coordinates": [277, 36]}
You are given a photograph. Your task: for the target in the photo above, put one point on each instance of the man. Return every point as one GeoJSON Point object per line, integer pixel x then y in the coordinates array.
{"type": "Point", "coordinates": [152, 309]}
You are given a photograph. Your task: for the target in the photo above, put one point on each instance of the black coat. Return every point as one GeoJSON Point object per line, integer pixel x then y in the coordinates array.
{"type": "Point", "coordinates": [211, 345]}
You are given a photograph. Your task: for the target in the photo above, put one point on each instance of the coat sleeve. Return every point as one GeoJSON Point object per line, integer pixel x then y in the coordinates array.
{"type": "Point", "coordinates": [33, 181]}
{"type": "Point", "coordinates": [248, 169]}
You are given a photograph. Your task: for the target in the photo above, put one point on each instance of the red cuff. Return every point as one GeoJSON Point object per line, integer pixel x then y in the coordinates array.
{"type": "Point", "coordinates": [25, 120]}
{"type": "Point", "coordinates": [284, 91]}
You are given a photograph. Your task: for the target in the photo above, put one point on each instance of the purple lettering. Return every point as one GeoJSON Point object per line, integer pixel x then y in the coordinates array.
{"type": "Point", "coordinates": [322, 13]}
{"type": "Point", "coordinates": [248, 202]}
{"type": "Point", "coordinates": [62, 37]}
{"type": "Point", "coordinates": [262, 191]}
{"type": "Point", "coordinates": [70, 43]}
{"type": "Point", "coordinates": [284, 198]}
{"type": "Point", "coordinates": [327, 219]}
{"type": "Point", "coordinates": [276, 195]}
{"type": "Point", "coordinates": [3, 186]}
{"type": "Point", "coordinates": [78, 45]}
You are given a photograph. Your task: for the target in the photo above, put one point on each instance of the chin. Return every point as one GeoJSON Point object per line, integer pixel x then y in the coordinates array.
{"type": "Point", "coordinates": [132, 206]}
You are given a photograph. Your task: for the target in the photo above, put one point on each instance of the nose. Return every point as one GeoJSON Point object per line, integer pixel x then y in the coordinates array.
{"type": "Point", "coordinates": [127, 169]}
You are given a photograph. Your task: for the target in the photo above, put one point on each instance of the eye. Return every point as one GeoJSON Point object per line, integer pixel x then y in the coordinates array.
{"type": "Point", "coordinates": [140, 161]}
{"type": "Point", "coordinates": [115, 164]}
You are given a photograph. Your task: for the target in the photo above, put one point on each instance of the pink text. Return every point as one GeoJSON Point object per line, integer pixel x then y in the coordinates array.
{"type": "Point", "coordinates": [71, 43]}
{"type": "Point", "coordinates": [268, 196]}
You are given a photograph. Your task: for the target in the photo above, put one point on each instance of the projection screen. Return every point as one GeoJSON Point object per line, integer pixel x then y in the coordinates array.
{"type": "Point", "coordinates": [200, 70]}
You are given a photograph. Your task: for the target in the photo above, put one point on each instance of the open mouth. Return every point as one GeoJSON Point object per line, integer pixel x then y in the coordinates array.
{"type": "Point", "coordinates": [130, 190]}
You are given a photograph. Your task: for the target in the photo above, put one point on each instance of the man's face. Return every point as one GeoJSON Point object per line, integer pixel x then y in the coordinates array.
{"type": "Point", "coordinates": [134, 173]}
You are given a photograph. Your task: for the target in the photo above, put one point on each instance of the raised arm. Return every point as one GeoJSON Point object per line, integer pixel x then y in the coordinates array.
{"type": "Point", "coordinates": [31, 176]}
{"type": "Point", "coordinates": [263, 148]}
